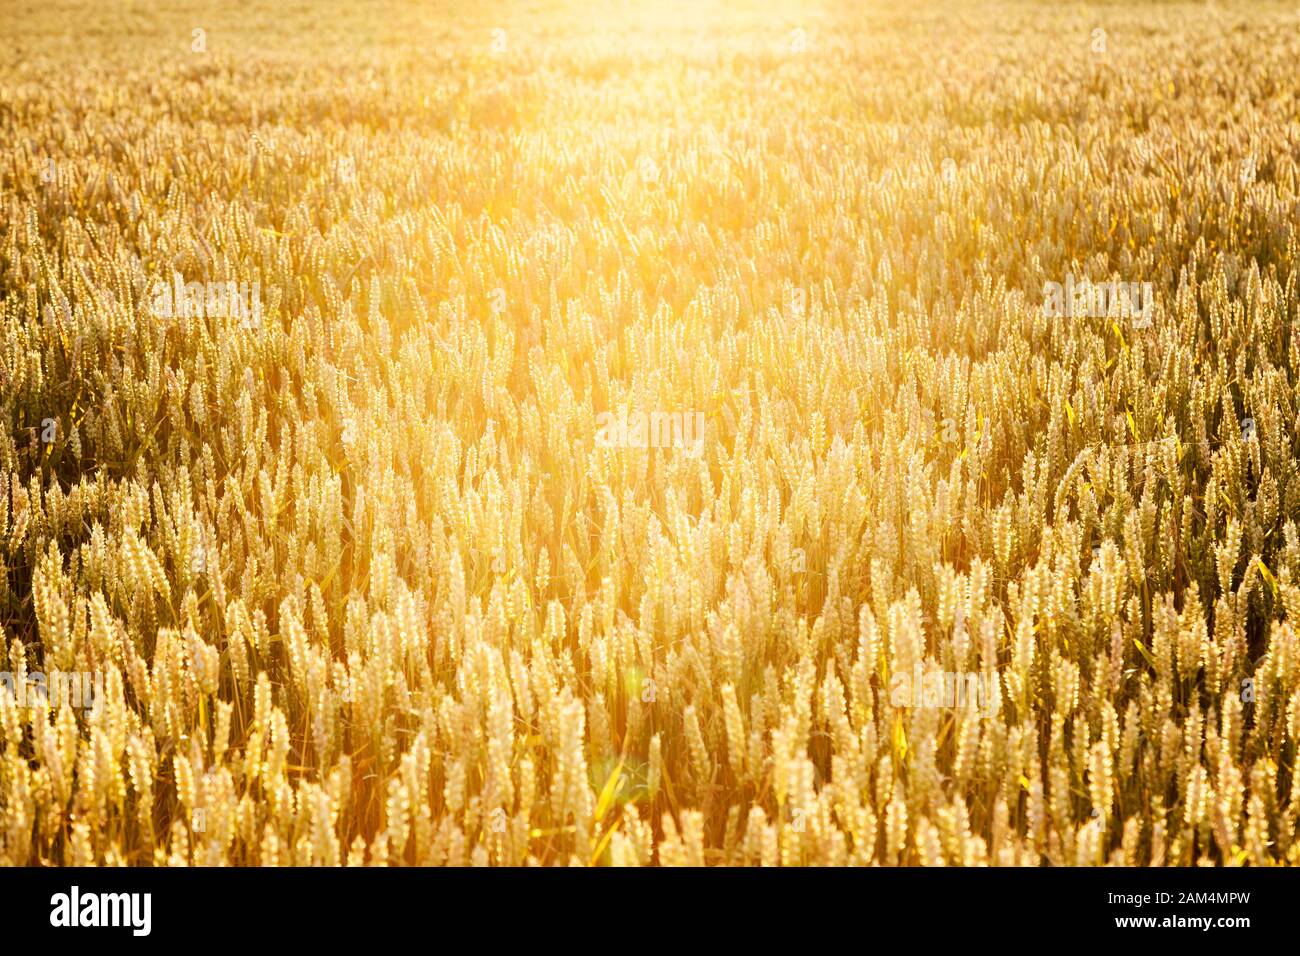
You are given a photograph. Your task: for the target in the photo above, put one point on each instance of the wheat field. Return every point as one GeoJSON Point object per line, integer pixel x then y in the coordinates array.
{"type": "Point", "coordinates": [664, 433]}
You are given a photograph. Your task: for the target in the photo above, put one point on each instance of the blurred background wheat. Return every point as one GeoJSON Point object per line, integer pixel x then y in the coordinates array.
{"type": "Point", "coordinates": [363, 586]}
